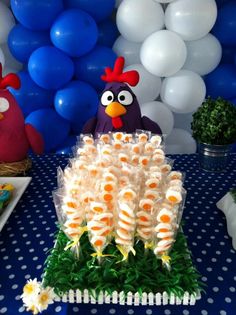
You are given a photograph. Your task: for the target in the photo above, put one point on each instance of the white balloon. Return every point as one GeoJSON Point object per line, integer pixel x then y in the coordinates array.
{"type": "Point", "coordinates": [164, 1]}
{"type": "Point", "coordinates": [136, 19]}
{"type": "Point", "coordinates": [183, 121]}
{"type": "Point", "coordinates": [180, 142]}
{"type": "Point", "coordinates": [149, 85]}
{"type": "Point", "coordinates": [129, 50]}
{"type": "Point", "coordinates": [184, 92]}
{"type": "Point", "coordinates": [7, 22]}
{"type": "Point", "coordinates": [203, 55]}
{"type": "Point", "coordinates": [160, 113]}
{"type": "Point", "coordinates": [191, 19]}
{"type": "Point", "coordinates": [163, 53]}
{"type": "Point", "coordinates": [10, 61]}
{"type": "Point", "coordinates": [2, 58]}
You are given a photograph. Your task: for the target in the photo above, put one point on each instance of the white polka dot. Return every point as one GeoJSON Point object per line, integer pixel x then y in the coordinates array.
{"type": "Point", "coordinates": [75, 309]}
{"type": "Point", "coordinates": [21, 309]}
{"type": "Point", "coordinates": [204, 312]}
{"type": "Point", "coordinates": [112, 311]}
{"type": "Point", "coordinates": [223, 312]}
{"type": "Point", "coordinates": [215, 289]}
{"type": "Point", "coordinates": [228, 300]}
{"type": "Point", "coordinates": [167, 312]}
{"type": "Point", "coordinates": [209, 269]}
{"type": "Point", "coordinates": [93, 311]}
{"type": "Point", "coordinates": [3, 310]}
{"type": "Point", "coordinates": [27, 276]}
{"type": "Point", "coordinates": [210, 300]}
{"type": "Point", "coordinates": [130, 312]}
{"type": "Point", "coordinates": [229, 260]}
{"type": "Point", "coordinates": [224, 268]}
{"type": "Point", "coordinates": [8, 267]}
{"type": "Point", "coordinates": [220, 278]}
{"type": "Point", "coordinates": [2, 297]}
{"type": "Point", "coordinates": [58, 309]}
{"type": "Point", "coordinates": [15, 286]}
{"type": "Point", "coordinates": [232, 289]}
{"type": "Point", "coordinates": [185, 312]}
{"type": "Point", "coordinates": [149, 312]}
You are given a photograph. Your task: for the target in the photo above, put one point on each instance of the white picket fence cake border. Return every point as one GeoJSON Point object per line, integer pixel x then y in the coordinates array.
{"type": "Point", "coordinates": [148, 299]}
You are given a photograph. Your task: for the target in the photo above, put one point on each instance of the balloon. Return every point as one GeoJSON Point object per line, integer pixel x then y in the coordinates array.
{"type": "Point", "coordinates": [66, 146]}
{"type": "Point", "coordinates": [180, 142]}
{"type": "Point", "coordinates": [10, 61]}
{"type": "Point", "coordinates": [225, 27]}
{"type": "Point", "coordinates": [191, 19]}
{"type": "Point", "coordinates": [183, 121]}
{"type": "Point", "coordinates": [129, 50]}
{"type": "Point", "coordinates": [149, 85]}
{"type": "Point", "coordinates": [50, 68]}
{"type": "Point", "coordinates": [107, 33]}
{"type": "Point", "coordinates": [163, 53]}
{"type": "Point", "coordinates": [36, 15]}
{"type": "Point", "coordinates": [164, 1]}
{"type": "Point", "coordinates": [222, 82]}
{"type": "Point", "coordinates": [90, 67]}
{"type": "Point", "coordinates": [99, 10]}
{"type": "Point", "coordinates": [184, 92]}
{"type": "Point", "coordinates": [137, 19]}
{"type": "Point", "coordinates": [2, 58]}
{"type": "Point", "coordinates": [74, 32]}
{"type": "Point", "coordinates": [203, 55]}
{"type": "Point", "coordinates": [53, 128]}
{"type": "Point", "coordinates": [161, 114]}
{"type": "Point", "coordinates": [7, 22]}
{"type": "Point", "coordinates": [30, 96]}
{"type": "Point", "coordinates": [118, 2]}
{"type": "Point", "coordinates": [76, 102]}
{"type": "Point", "coordinates": [22, 42]}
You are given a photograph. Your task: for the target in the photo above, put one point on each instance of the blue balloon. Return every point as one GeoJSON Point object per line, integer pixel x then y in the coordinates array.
{"type": "Point", "coordinates": [221, 82]}
{"type": "Point", "coordinates": [99, 9]}
{"type": "Point", "coordinates": [22, 42]}
{"type": "Point", "coordinates": [221, 2]}
{"type": "Point", "coordinates": [53, 128]}
{"type": "Point", "coordinates": [36, 14]}
{"type": "Point", "coordinates": [74, 32]}
{"type": "Point", "coordinates": [30, 96]}
{"type": "Point", "coordinates": [76, 102]}
{"type": "Point", "coordinates": [107, 33]}
{"type": "Point", "coordinates": [66, 146]}
{"type": "Point", "coordinates": [225, 26]}
{"type": "Point", "coordinates": [50, 68]}
{"type": "Point", "coordinates": [89, 68]}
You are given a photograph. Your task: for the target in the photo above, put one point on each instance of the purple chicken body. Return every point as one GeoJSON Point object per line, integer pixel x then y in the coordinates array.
{"type": "Point", "coordinates": [118, 109]}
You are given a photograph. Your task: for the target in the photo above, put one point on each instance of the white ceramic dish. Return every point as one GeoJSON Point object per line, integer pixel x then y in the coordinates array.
{"type": "Point", "coordinates": [20, 184]}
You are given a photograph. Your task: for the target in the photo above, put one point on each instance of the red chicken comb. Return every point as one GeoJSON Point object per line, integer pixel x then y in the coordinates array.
{"type": "Point", "coordinates": [117, 74]}
{"type": "Point", "coordinates": [10, 79]}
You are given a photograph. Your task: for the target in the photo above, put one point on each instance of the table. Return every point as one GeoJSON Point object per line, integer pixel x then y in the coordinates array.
{"type": "Point", "coordinates": [29, 234]}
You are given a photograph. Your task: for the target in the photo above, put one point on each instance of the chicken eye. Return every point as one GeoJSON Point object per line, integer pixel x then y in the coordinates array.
{"type": "Point", "coordinates": [125, 97]}
{"type": "Point", "coordinates": [107, 98]}
{"type": "Point", "coordinates": [4, 104]}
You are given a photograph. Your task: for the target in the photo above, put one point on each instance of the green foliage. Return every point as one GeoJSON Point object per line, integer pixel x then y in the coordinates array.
{"type": "Point", "coordinates": [141, 273]}
{"type": "Point", "coordinates": [215, 122]}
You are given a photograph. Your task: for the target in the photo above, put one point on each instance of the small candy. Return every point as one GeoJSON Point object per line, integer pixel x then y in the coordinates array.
{"type": "Point", "coordinates": [165, 168]}
{"type": "Point", "coordinates": [118, 136]}
{"type": "Point", "coordinates": [175, 182]}
{"type": "Point", "coordinates": [128, 137]}
{"type": "Point", "coordinates": [163, 227]}
{"type": "Point", "coordinates": [87, 197]}
{"type": "Point", "coordinates": [146, 204]}
{"type": "Point", "coordinates": [135, 159]}
{"type": "Point", "coordinates": [152, 183]}
{"type": "Point", "coordinates": [106, 197]}
{"type": "Point", "coordinates": [124, 234]}
{"type": "Point", "coordinates": [123, 181]}
{"type": "Point", "coordinates": [165, 234]}
{"type": "Point", "coordinates": [144, 217]}
{"type": "Point", "coordinates": [124, 158]}
{"type": "Point", "coordinates": [156, 140]}
{"type": "Point", "coordinates": [161, 249]}
{"type": "Point", "coordinates": [106, 150]}
{"type": "Point", "coordinates": [144, 160]}
{"type": "Point", "coordinates": [109, 177]}
{"type": "Point", "coordinates": [88, 140]}
{"type": "Point", "coordinates": [158, 159]}
{"type": "Point", "coordinates": [145, 235]}
{"type": "Point", "coordinates": [142, 137]}
{"type": "Point", "coordinates": [174, 175]}
{"type": "Point", "coordinates": [127, 194]}
{"type": "Point", "coordinates": [122, 241]}
{"type": "Point", "coordinates": [93, 170]}
{"type": "Point", "coordinates": [149, 148]}
{"type": "Point", "coordinates": [173, 194]}
{"type": "Point", "coordinates": [98, 241]}
{"type": "Point", "coordinates": [157, 175]}
{"type": "Point", "coordinates": [117, 145]}
{"type": "Point", "coordinates": [159, 151]}
{"type": "Point", "coordinates": [127, 225]}
{"type": "Point", "coordinates": [165, 242]}
{"type": "Point", "coordinates": [137, 148]}
{"type": "Point", "coordinates": [105, 138]}
{"type": "Point", "coordinates": [152, 194]}
{"type": "Point", "coordinates": [165, 216]}
{"type": "Point", "coordinates": [98, 207]}
{"type": "Point", "coordinates": [108, 186]}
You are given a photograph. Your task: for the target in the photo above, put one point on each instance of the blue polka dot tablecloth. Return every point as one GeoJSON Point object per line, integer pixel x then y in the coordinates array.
{"type": "Point", "coordinates": [29, 234]}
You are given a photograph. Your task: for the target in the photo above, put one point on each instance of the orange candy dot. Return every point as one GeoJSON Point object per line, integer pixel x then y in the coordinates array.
{"type": "Point", "coordinates": [165, 218]}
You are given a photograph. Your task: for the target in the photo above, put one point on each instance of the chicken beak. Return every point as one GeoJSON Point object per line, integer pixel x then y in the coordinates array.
{"type": "Point", "coordinates": [115, 109]}
{"type": "Point", "coordinates": [1, 116]}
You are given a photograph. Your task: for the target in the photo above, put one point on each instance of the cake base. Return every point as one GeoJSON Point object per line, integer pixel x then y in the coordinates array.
{"type": "Point", "coordinates": [140, 280]}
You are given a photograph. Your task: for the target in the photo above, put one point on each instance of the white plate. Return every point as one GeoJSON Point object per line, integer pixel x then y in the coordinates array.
{"type": "Point", "coordinates": [20, 184]}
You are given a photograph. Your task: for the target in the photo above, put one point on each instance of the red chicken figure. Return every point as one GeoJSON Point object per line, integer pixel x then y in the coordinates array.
{"type": "Point", "coordinates": [16, 137]}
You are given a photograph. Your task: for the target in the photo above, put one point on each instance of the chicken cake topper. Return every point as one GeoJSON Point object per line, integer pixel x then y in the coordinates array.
{"type": "Point", "coordinates": [118, 109]}
{"type": "Point", "coordinates": [16, 137]}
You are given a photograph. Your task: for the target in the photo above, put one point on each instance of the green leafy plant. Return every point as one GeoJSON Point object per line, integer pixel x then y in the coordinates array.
{"type": "Point", "coordinates": [215, 122]}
